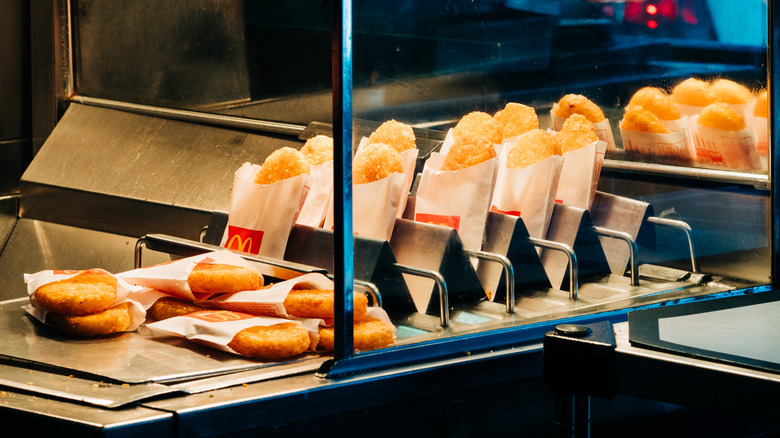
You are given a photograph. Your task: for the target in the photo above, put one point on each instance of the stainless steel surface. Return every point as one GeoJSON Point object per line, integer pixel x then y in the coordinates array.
{"type": "Point", "coordinates": [143, 356]}
{"type": "Point", "coordinates": [103, 169]}
{"type": "Point", "coordinates": [757, 180]}
{"type": "Point", "coordinates": [38, 415]}
{"type": "Point", "coordinates": [172, 54]}
{"type": "Point", "coordinates": [195, 116]}
{"type": "Point", "coordinates": [686, 229]}
{"type": "Point", "coordinates": [373, 261]}
{"type": "Point", "coordinates": [66, 386]}
{"type": "Point", "coordinates": [692, 381]}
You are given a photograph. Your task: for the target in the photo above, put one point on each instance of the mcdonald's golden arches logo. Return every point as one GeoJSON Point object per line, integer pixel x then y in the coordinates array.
{"type": "Point", "coordinates": [220, 315]}
{"type": "Point", "coordinates": [244, 239]}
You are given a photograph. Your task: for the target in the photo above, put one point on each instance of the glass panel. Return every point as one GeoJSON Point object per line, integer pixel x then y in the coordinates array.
{"type": "Point", "coordinates": [690, 190]}
{"type": "Point", "coordinates": [686, 183]}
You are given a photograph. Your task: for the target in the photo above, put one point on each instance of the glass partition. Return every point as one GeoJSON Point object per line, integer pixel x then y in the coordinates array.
{"type": "Point", "coordinates": [653, 185]}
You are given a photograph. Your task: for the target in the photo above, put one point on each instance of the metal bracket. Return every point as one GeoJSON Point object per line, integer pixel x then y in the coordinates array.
{"type": "Point", "coordinates": [685, 228]}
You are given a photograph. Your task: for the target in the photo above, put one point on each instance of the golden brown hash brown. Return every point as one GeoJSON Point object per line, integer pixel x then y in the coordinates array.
{"type": "Point", "coordinates": [532, 147]}
{"type": "Point", "coordinates": [576, 133]}
{"type": "Point", "coordinates": [693, 92]}
{"type": "Point", "coordinates": [721, 116]}
{"type": "Point", "coordinates": [464, 154]}
{"type": "Point", "coordinates": [478, 124]}
{"type": "Point", "coordinates": [369, 334]}
{"type": "Point", "coordinates": [395, 134]}
{"type": "Point", "coordinates": [762, 106]}
{"type": "Point", "coordinates": [318, 149]}
{"type": "Point", "coordinates": [374, 162]}
{"type": "Point", "coordinates": [516, 119]}
{"type": "Point", "coordinates": [273, 342]}
{"type": "Point", "coordinates": [578, 104]}
{"type": "Point", "coordinates": [728, 91]}
{"type": "Point", "coordinates": [222, 278]}
{"type": "Point", "coordinates": [318, 303]}
{"type": "Point", "coordinates": [282, 164]}
{"type": "Point", "coordinates": [112, 320]}
{"type": "Point", "coordinates": [655, 100]}
{"type": "Point", "coordinates": [169, 307]}
{"type": "Point", "coordinates": [89, 292]}
{"type": "Point", "coordinates": [639, 119]}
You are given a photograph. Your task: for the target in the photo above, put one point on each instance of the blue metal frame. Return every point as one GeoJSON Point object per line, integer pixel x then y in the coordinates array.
{"type": "Point", "coordinates": [342, 178]}
{"type": "Point", "coordinates": [774, 128]}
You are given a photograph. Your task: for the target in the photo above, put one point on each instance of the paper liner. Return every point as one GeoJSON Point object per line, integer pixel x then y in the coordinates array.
{"type": "Point", "coordinates": [261, 216]}
{"type": "Point", "coordinates": [315, 205]}
{"type": "Point", "coordinates": [727, 149]}
{"type": "Point", "coordinates": [374, 207]}
{"type": "Point", "coordinates": [269, 301]}
{"type": "Point", "coordinates": [216, 328]}
{"type": "Point", "coordinates": [124, 293]}
{"type": "Point", "coordinates": [674, 144]}
{"type": "Point", "coordinates": [580, 175]}
{"type": "Point", "coordinates": [458, 199]}
{"type": "Point", "coordinates": [171, 277]}
{"type": "Point", "coordinates": [528, 192]}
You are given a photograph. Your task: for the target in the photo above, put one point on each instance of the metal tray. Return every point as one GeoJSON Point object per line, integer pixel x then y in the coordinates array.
{"type": "Point", "coordinates": [118, 369]}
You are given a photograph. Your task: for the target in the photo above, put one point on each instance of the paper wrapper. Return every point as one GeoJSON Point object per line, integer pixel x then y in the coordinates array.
{"type": "Point", "coordinates": [580, 175]}
{"type": "Point", "coordinates": [528, 192]}
{"type": "Point", "coordinates": [458, 199]}
{"type": "Point", "coordinates": [171, 277]}
{"type": "Point", "coordinates": [124, 293]}
{"type": "Point", "coordinates": [673, 145]}
{"type": "Point", "coordinates": [759, 126]}
{"type": "Point", "coordinates": [216, 328]}
{"type": "Point", "coordinates": [315, 205]}
{"type": "Point", "coordinates": [728, 149]}
{"type": "Point", "coordinates": [270, 301]}
{"type": "Point", "coordinates": [261, 216]}
{"type": "Point", "coordinates": [374, 207]}
{"type": "Point", "coordinates": [603, 128]}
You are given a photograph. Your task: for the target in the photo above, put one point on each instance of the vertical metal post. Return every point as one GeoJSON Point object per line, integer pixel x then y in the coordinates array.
{"type": "Point", "coordinates": [773, 61]}
{"type": "Point", "coordinates": [572, 416]}
{"type": "Point", "coordinates": [343, 269]}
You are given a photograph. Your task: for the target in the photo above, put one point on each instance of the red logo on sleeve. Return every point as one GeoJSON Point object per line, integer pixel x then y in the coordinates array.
{"type": "Point", "coordinates": [509, 212]}
{"type": "Point", "coordinates": [244, 239]}
{"type": "Point", "coordinates": [437, 219]}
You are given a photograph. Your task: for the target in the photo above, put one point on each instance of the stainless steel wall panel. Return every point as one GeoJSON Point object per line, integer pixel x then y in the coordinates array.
{"type": "Point", "coordinates": [132, 174]}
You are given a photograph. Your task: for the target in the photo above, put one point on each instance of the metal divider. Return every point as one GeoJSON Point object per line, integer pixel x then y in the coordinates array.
{"type": "Point", "coordinates": [573, 227]}
{"type": "Point", "coordinates": [374, 263]}
{"type": "Point", "coordinates": [686, 229]}
{"type": "Point", "coordinates": [507, 236]}
{"type": "Point", "coordinates": [620, 219]}
{"type": "Point", "coordinates": [438, 249]}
